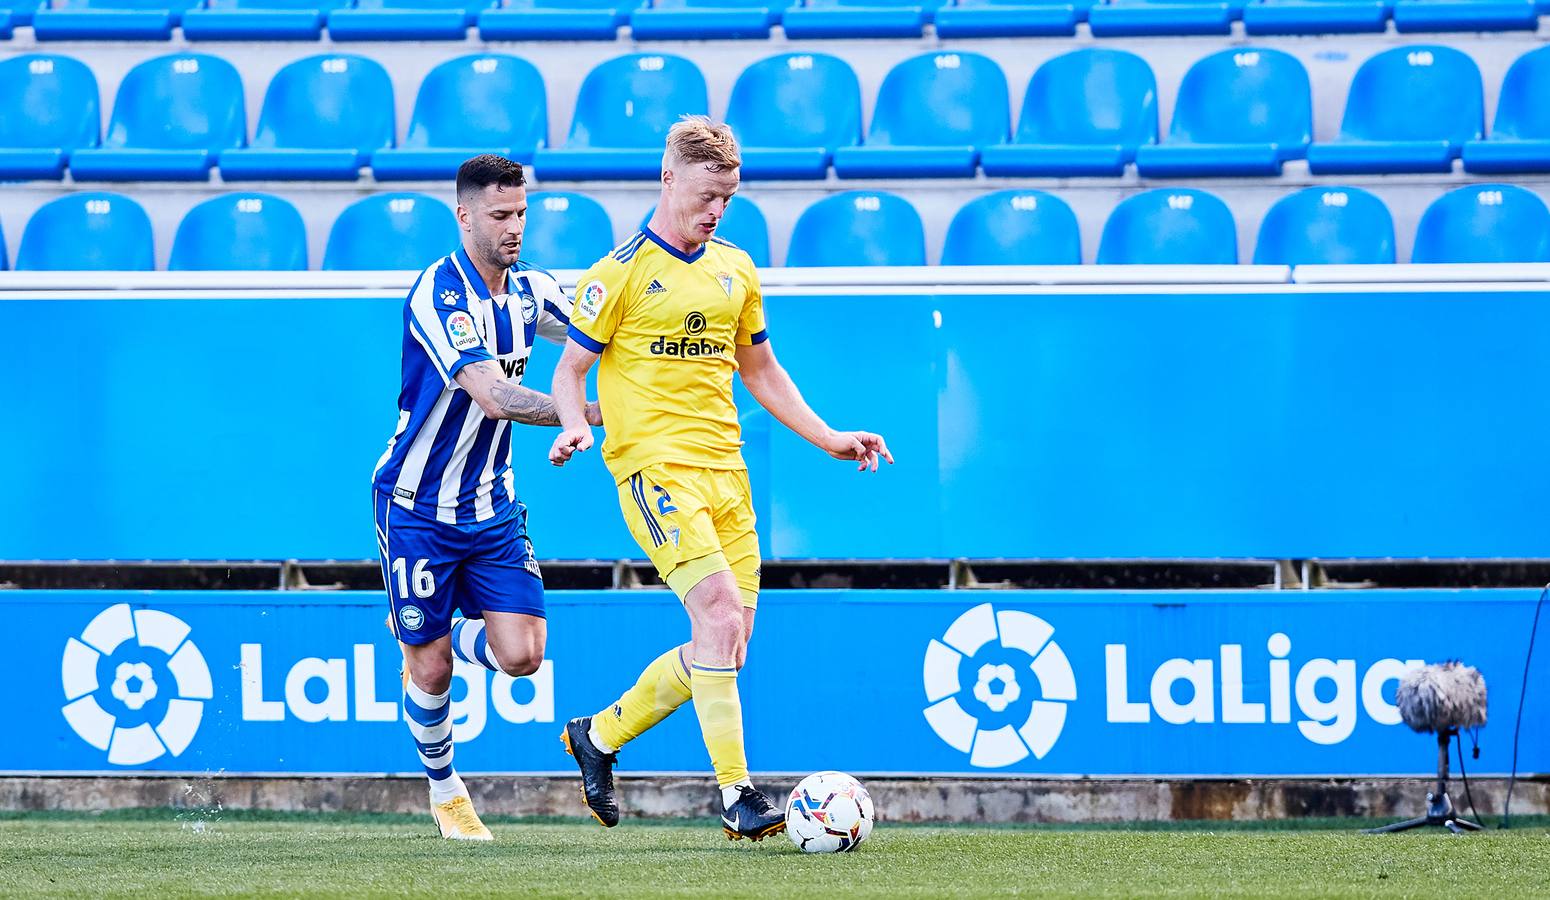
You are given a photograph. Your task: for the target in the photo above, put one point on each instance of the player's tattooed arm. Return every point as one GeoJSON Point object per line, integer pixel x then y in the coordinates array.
{"type": "Point", "coordinates": [502, 398]}
{"type": "Point", "coordinates": [520, 404]}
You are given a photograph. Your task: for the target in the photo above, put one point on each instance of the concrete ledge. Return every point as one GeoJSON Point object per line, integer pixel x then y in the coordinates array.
{"type": "Point", "coordinates": [898, 799]}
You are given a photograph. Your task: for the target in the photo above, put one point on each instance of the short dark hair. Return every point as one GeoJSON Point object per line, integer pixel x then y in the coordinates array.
{"type": "Point", "coordinates": [482, 171]}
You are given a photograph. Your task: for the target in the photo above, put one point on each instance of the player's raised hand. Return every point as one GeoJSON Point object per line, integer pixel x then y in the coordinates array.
{"type": "Point", "coordinates": [863, 446]}
{"type": "Point", "coordinates": [570, 442]}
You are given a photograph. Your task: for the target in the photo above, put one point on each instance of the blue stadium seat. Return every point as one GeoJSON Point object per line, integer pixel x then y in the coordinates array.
{"type": "Point", "coordinates": [1412, 16]}
{"type": "Point", "coordinates": [1010, 18]}
{"type": "Point", "coordinates": [323, 118]}
{"type": "Point", "coordinates": [391, 231]}
{"type": "Point", "coordinates": [859, 18]}
{"type": "Point", "coordinates": [1127, 18]}
{"type": "Point", "coordinates": [4, 263]}
{"type": "Point", "coordinates": [706, 20]}
{"type": "Point", "coordinates": [109, 20]}
{"type": "Point", "coordinates": [1484, 223]}
{"type": "Point", "coordinates": [1328, 226]}
{"type": "Point", "coordinates": [566, 231]}
{"type": "Point", "coordinates": [259, 20]}
{"type": "Point", "coordinates": [1410, 109]}
{"type": "Point", "coordinates": [1056, 137]}
{"type": "Point", "coordinates": [1013, 228]}
{"type": "Point", "coordinates": [486, 103]}
{"type": "Point", "coordinates": [173, 117]}
{"type": "Point", "coordinates": [240, 232]}
{"type": "Point", "coordinates": [89, 231]}
{"type": "Point", "coordinates": [556, 20]}
{"type": "Point", "coordinates": [1520, 136]}
{"type": "Point", "coordinates": [742, 225]}
{"type": "Point", "coordinates": [790, 113]}
{"type": "Point", "coordinates": [48, 110]}
{"type": "Point", "coordinates": [1242, 111]}
{"type": "Point", "coordinates": [405, 20]}
{"type": "Point", "coordinates": [858, 228]}
{"type": "Point", "coordinates": [933, 114]}
{"type": "Point", "coordinates": [20, 13]}
{"type": "Point", "coordinates": [1169, 227]}
{"type": "Point", "coordinates": [1317, 16]}
{"type": "Point", "coordinates": [623, 112]}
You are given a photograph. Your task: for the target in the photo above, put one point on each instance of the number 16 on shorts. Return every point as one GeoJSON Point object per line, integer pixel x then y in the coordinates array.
{"type": "Point", "coordinates": [411, 579]}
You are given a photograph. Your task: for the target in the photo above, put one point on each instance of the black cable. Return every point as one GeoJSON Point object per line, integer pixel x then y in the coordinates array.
{"type": "Point", "coordinates": [1464, 774]}
{"type": "Point", "coordinates": [1528, 659]}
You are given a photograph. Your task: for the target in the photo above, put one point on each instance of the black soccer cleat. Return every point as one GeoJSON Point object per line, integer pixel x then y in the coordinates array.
{"type": "Point", "coordinates": [753, 816]}
{"type": "Point", "coordinates": [597, 771]}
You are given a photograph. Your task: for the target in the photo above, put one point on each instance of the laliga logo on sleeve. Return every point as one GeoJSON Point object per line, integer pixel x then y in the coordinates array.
{"type": "Point", "coordinates": [1012, 718]}
{"type": "Point", "coordinates": [592, 297]}
{"type": "Point", "coordinates": [156, 682]}
{"type": "Point", "coordinates": [460, 328]}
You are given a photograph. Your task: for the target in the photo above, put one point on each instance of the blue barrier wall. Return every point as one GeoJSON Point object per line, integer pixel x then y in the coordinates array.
{"type": "Point", "coordinates": [1285, 423]}
{"type": "Point", "coordinates": [1106, 683]}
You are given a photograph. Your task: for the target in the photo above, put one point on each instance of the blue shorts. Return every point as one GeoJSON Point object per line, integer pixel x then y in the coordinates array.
{"type": "Point", "coordinates": [432, 570]}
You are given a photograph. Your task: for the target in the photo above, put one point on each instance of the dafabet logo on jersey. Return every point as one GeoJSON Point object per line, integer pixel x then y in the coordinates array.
{"type": "Point", "coordinates": [694, 324]}
{"type": "Point", "coordinates": [460, 328]}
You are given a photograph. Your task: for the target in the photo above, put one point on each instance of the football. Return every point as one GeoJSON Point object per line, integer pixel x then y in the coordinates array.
{"type": "Point", "coordinates": [829, 812]}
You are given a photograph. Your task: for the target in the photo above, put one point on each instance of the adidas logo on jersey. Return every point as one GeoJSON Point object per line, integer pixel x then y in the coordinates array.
{"type": "Point", "coordinates": [655, 288]}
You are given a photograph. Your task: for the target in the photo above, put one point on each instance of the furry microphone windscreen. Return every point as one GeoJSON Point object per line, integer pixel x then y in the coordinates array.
{"type": "Point", "coordinates": [1442, 696]}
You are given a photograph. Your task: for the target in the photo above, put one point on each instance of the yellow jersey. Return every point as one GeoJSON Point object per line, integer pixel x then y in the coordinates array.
{"type": "Point", "coordinates": [667, 325]}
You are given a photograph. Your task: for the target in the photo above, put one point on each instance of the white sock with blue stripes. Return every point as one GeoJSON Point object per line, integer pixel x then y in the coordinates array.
{"type": "Point", "coordinates": [430, 722]}
{"type": "Point", "coordinates": [470, 644]}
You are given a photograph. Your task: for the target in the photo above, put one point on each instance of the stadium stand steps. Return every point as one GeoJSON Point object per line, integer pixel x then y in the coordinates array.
{"type": "Point", "coordinates": [1240, 112]}
{"type": "Point", "coordinates": [566, 230]}
{"type": "Point", "coordinates": [799, 20]}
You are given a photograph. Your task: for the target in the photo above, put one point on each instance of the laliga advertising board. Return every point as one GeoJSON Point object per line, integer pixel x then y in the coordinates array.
{"type": "Point", "coordinates": [948, 682]}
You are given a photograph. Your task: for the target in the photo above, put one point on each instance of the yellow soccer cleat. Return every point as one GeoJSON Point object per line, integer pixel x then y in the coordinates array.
{"type": "Point", "coordinates": [457, 821]}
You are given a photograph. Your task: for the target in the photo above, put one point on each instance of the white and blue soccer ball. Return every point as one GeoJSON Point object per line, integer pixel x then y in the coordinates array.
{"type": "Point", "coordinates": [829, 812]}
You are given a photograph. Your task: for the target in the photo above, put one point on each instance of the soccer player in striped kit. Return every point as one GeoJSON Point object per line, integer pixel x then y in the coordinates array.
{"type": "Point", "coordinates": [451, 531]}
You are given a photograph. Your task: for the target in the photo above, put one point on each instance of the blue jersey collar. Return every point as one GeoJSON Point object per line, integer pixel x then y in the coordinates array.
{"type": "Point", "coordinates": [677, 254]}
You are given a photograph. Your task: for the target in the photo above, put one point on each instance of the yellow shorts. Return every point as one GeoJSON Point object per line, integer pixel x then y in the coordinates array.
{"type": "Point", "coordinates": [694, 522]}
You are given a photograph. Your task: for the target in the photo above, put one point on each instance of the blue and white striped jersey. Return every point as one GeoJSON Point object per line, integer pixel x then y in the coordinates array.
{"type": "Point", "coordinates": [446, 461]}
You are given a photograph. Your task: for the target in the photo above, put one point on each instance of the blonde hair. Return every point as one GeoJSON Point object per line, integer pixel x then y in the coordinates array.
{"type": "Point", "coordinates": [696, 139]}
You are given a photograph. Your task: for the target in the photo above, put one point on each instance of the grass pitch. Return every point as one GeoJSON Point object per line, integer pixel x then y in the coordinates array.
{"type": "Point", "coordinates": [164, 853]}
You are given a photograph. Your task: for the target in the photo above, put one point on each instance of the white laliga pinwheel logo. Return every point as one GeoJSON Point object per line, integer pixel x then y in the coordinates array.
{"type": "Point", "coordinates": [142, 641]}
{"type": "Point", "coordinates": [986, 636]}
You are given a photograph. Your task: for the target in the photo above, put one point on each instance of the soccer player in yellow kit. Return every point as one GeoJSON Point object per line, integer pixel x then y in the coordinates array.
{"type": "Point", "coordinates": [672, 313]}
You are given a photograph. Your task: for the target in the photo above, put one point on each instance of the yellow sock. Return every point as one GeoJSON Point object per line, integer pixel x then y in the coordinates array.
{"type": "Point", "coordinates": [721, 721]}
{"type": "Point", "coordinates": [662, 687]}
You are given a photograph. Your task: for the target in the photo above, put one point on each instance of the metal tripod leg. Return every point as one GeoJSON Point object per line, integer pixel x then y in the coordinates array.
{"type": "Point", "coordinates": [1417, 822]}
